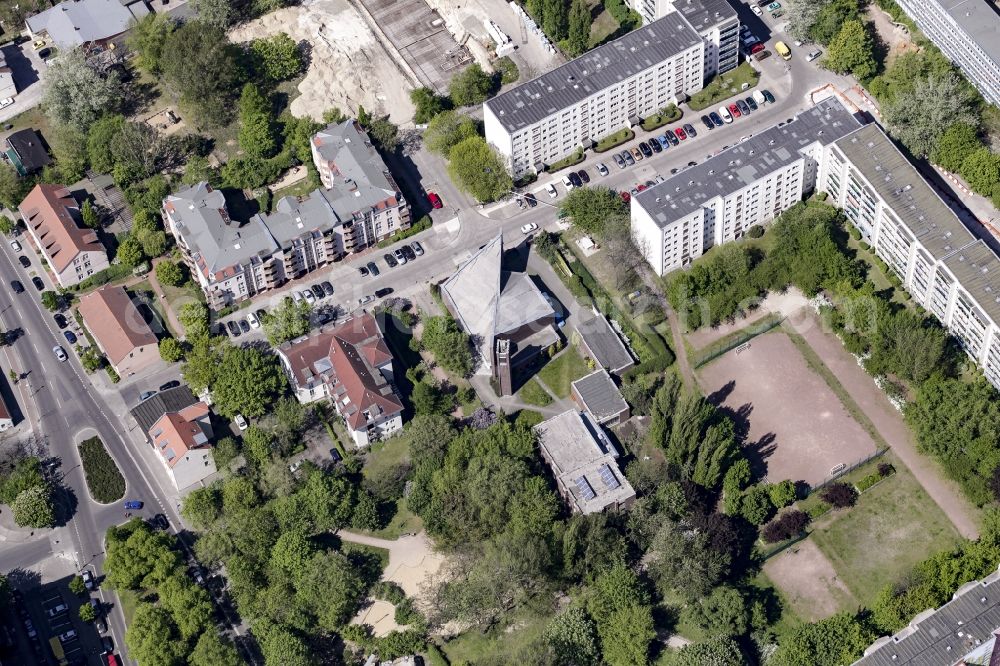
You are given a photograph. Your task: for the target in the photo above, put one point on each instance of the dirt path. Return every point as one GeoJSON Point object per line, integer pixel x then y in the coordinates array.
{"type": "Point", "coordinates": [891, 426]}
{"type": "Point", "coordinates": [687, 374]}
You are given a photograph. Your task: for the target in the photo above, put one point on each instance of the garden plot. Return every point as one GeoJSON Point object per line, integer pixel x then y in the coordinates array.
{"type": "Point", "coordinates": [348, 65]}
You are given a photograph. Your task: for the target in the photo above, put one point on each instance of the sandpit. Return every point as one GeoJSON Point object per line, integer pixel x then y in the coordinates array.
{"type": "Point", "coordinates": [349, 66]}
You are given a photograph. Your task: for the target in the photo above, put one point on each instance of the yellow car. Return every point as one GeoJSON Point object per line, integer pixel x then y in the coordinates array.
{"type": "Point", "coordinates": [39, 43]}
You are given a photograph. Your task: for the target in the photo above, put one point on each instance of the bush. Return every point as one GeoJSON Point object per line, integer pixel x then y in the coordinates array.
{"type": "Point", "coordinates": [868, 481]}
{"type": "Point", "coordinates": [387, 590]}
{"type": "Point", "coordinates": [782, 494]}
{"type": "Point", "coordinates": [839, 495]}
{"type": "Point", "coordinates": [885, 469]}
{"type": "Point", "coordinates": [422, 224]}
{"type": "Point", "coordinates": [104, 481]}
{"type": "Point", "coordinates": [817, 510]}
{"type": "Point", "coordinates": [508, 70]}
{"type": "Point", "coordinates": [756, 231]}
{"type": "Point", "coordinates": [785, 526]}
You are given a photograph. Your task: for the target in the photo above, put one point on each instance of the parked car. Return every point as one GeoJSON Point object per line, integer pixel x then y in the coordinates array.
{"type": "Point", "coordinates": [707, 122]}
{"type": "Point", "coordinates": [529, 228]}
{"type": "Point", "coordinates": [434, 200]}
{"type": "Point", "coordinates": [646, 150]}
{"type": "Point", "coordinates": [689, 128]}
{"type": "Point", "coordinates": [197, 575]}
{"type": "Point", "coordinates": [166, 386]}
{"type": "Point", "coordinates": [530, 198]}
{"type": "Point", "coordinates": [662, 140]}
{"type": "Point", "coordinates": [602, 169]}
{"type": "Point", "coordinates": [88, 578]}
{"type": "Point", "coordinates": [778, 14]}
{"type": "Point", "coordinates": [758, 97]}
{"type": "Point", "coordinates": [636, 154]}
{"type": "Point", "coordinates": [762, 55]}
{"type": "Point", "coordinates": [244, 325]}
{"type": "Point", "coordinates": [67, 636]}
{"type": "Point", "coordinates": [626, 197]}
{"type": "Point", "coordinates": [408, 253]}
{"type": "Point", "coordinates": [756, 48]}
{"type": "Point", "coordinates": [655, 145]}
{"type": "Point", "coordinates": [160, 522]}
{"type": "Point", "coordinates": [767, 96]}
{"type": "Point", "coordinates": [384, 291]}
{"type": "Point", "coordinates": [309, 296]}
{"type": "Point", "coordinates": [672, 138]}
{"type": "Point", "coordinates": [373, 268]}
{"type": "Point", "coordinates": [400, 255]}
{"type": "Point", "coordinates": [60, 320]}
{"type": "Point", "coordinates": [56, 611]}
{"type": "Point", "coordinates": [584, 176]}
{"type": "Point", "coordinates": [317, 291]}
{"type": "Point", "coordinates": [552, 191]}
{"type": "Point", "coordinates": [773, 6]}
{"type": "Point", "coordinates": [365, 300]}
{"type": "Point", "coordinates": [742, 106]}
{"type": "Point", "coordinates": [234, 330]}
{"type": "Point", "coordinates": [363, 270]}
{"type": "Point", "coordinates": [335, 454]}
{"type": "Point", "coordinates": [680, 133]}
{"type": "Point", "coordinates": [133, 505]}
{"type": "Point", "coordinates": [24, 261]}
{"type": "Point", "coordinates": [627, 155]}
{"type": "Point", "coordinates": [296, 297]}
{"type": "Point", "coordinates": [252, 318]}
{"type": "Point", "coordinates": [14, 245]}
{"type": "Point", "coordinates": [568, 183]}
{"type": "Point", "coordinates": [735, 111]}
{"type": "Point", "coordinates": [326, 287]}
{"type": "Point", "coordinates": [37, 281]}
{"type": "Point", "coordinates": [749, 101]}
{"type": "Point", "coordinates": [813, 55]}
{"type": "Point", "coordinates": [390, 260]}
{"type": "Point", "coordinates": [241, 422]}
{"type": "Point", "coordinates": [756, 10]}
{"type": "Point", "coordinates": [725, 115]}
{"type": "Point", "coordinates": [70, 337]}
{"type": "Point", "coordinates": [60, 353]}
{"type": "Point", "coordinates": [17, 286]}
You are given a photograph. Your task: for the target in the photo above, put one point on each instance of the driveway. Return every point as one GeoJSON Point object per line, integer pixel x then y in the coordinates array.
{"type": "Point", "coordinates": [28, 70]}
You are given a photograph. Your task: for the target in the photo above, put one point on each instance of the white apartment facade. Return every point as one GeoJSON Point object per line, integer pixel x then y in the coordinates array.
{"type": "Point", "coordinates": [595, 95]}
{"type": "Point", "coordinates": [716, 22]}
{"type": "Point", "coordinates": [946, 269]}
{"type": "Point", "coordinates": [749, 184]}
{"type": "Point", "coordinates": [968, 33]}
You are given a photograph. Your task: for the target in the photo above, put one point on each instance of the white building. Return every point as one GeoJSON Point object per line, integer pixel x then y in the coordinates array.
{"type": "Point", "coordinates": [968, 32]}
{"type": "Point", "coordinates": [715, 20]}
{"type": "Point", "coordinates": [610, 88]}
{"type": "Point", "coordinates": [751, 183]}
{"type": "Point", "coordinates": [946, 269]}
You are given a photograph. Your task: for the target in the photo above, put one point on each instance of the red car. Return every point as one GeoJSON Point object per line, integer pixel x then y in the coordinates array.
{"type": "Point", "coordinates": [679, 133]}
{"type": "Point", "coordinates": [640, 187]}
{"type": "Point", "coordinates": [435, 200]}
{"type": "Point", "coordinates": [735, 110]}
{"type": "Point", "coordinates": [757, 48]}
{"type": "Point", "coordinates": [626, 197]}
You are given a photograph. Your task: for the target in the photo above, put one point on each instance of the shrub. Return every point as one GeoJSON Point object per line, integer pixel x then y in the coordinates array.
{"type": "Point", "coordinates": [756, 231]}
{"type": "Point", "coordinates": [817, 510]}
{"type": "Point", "coordinates": [388, 591]}
{"type": "Point", "coordinates": [868, 481]}
{"type": "Point", "coordinates": [885, 469]}
{"type": "Point", "coordinates": [104, 481]}
{"type": "Point", "coordinates": [782, 494]}
{"type": "Point", "coordinates": [785, 526]}
{"type": "Point", "coordinates": [839, 495]}
{"type": "Point", "coordinates": [508, 70]}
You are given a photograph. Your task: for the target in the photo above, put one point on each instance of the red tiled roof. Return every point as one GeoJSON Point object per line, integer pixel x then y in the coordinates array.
{"type": "Point", "coordinates": [47, 210]}
{"type": "Point", "coordinates": [177, 433]}
{"type": "Point", "coordinates": [113, 319]}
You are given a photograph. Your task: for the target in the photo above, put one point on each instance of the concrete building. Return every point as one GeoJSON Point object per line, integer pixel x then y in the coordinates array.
{"type": "Point", "coordinates": [86, 22]}
{"type": "Point", "coordinates": [598, 395]}
{"type": "Point", "coordinates": [234, 260]}
{"type": "Point", "coordinates": [584, 463]}
{"type": "Point", "coordinates": [505, 313]}
{"type": "Point", "coordinates": [751, 183]}
{"type": "Point", "coordinates": [351, 365]}
{"type": "Point", "coordinates": [179, 428]}
{"type": "Point", "coordinates": [358, 185]}
{"type": "Point", "coordinates": [52, 217]}
{"type": "Point", "coordinates": [963, 632]}
{"type": "Point", "coordinates": [595, 95]}
{"type": "Point", "coordinates": [967, 32]}
{"type": "Point", "coordinates": [940, 262]}
{"type": "Point", "coordinates": [119, 330]}
{"type": "Point", "coordinates": [715, 20]}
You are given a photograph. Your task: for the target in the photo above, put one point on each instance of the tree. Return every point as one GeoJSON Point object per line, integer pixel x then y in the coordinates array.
{"type": "Point", "coordinates": [189, 604]}
{"type": "Point", "coordinates": [69, 148]}
{"type": "Point", "coordinates": [258, 133]}
{"type": "Point", "coordinates": [202, 506]}
{"type": "Point", "coordinates": [34, 507]}
{"type": "Point", "coordinates": [478, 169]}
{"type": "Point", "coordinates": [686, 561]}
{"type": "Point", "coordinates": [591, 207]}
{"type": "Point", "coordinates": [193, 316]}
{"type": "Point", "coordinates": [147, 38]}
{"type": "Point", "coordinates": [147, 230]}
{"type": "Point", "coordinates": [450, 346]}
{"type": "Point", "coordinates": [289, 418]}
{"type": "Point", "coordinates": [785, 526]}
{"type": "Point", "coordinates": [281, 646]}
{"type": "Point", "coordinates": [50, 300]}
{"type": "Point", "coordinates": [152, 638]}
{"type": "Point", "coordinates": [75, 94]}
{"type": "Point", "coordinates": [756, 505]}
{"type": "Point", "coordinates": [201, 363]}
{"type": "Point", "coordinates": [171, 350]}
{"type": "Point", "coordinates": [573, 638]}
{"type": "Point", "coordinates": [447, 129]}
{"type": "Point", "coordinates": [802, 14]}
{"type": "Point", "coordinates": [470, 86]}
{"type": "Point", "coordinates": [579, 28]}
{"type": "Point", "coordinates": [428, 104]}
{"type": "Point", "coordinates": [13, 188]}
{"type": "Point", "coordinates": [958, 142]}
{"type": "Point", "coordinates": [556, 19]}
{"type": "Point", "coordinates": [170, 273]}
{"type": "Point", "coordinates": [142, 558]}
{"type": "Point", "coordinates": [384, 134]}
{"type": "Point", "coordinates": [276, 58]}
{"type": "Point", "coordinates": [720, 651]}
{"type": "Point", "coordinates": [198, 169]}
{"type": "Point", "coordinates": [248, 382]}
{"type": "Point", "coordinates": [89, 216]}
{"type": "Point", "coordinates": [129, 250]}
{"type": "Point", "coordinates": [620, 607]}
{"type": "Point", "coordinates": [366, 514]}
{"type": "Point", "coordinates": [427, 398]}
{"type": "Point", "coordinates": [202, 68]}
{"type": "Point", "coordinates": [330, 587]}
{"type": "Point", "coordinates": [840, 639]}
{"type": "Point", "coordinates": [77, 586]}
{"type": "Point", "coordinates": [87, 613]}
{"type": "Point", "coordinates": [782, 494]}
{"type": "Point", "coordinates": [839, 495]}
{"type": "Point", "coordinates": [919, 116]}
{"type": "Point", "coordinates": [724, 612]}
{"type": "Point", "coordinates": [853, 50]}
{"type": "Point", "coordinates": [981, 169]}
{"type": "Point", "coordinates": [211, 650]}
{"type": "Point", "coordinates": [288, 321]}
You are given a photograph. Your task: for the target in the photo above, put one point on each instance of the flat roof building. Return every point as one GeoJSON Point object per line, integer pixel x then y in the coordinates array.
{"type": "Point", "coordinates": [968, 33]}
{"type": "Point", "coordinates": [602, 343]}
{"type": "Point", "coordinates": [607, 89]}
{"type": "Point", "coordinates": [715, 20]}
{"type": "Point", "coordinates": [583, 462]}
{"type": "Point", "coordinates": [598, 395]}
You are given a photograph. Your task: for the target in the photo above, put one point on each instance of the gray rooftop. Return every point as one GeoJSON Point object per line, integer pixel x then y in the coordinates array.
{"type": "Point", "coordinates": [944, 636]}
{"type": "Point", "coordinates": [977, 269]}
{"type": "Point", "coordinates": [600, 396]}
{"type": "Point", "coordinates": [576, 448]}
{"type": "Point", "coordinates": [606, 347]}
{"type": "Point", "coordinates": [76, 22]}
{"type": "Point", "coordinates": [703, 14]}
{"type": "Point", "coordinates": [896, 181]}
{"type": "Point", "coordinates": [980, 21]}
{"type": "Point", "coordinates": [363, 179]}
{"type": "Point", "coordinates": [295, 216]}
{"type": "Point", "coordinates": [149, 411]}
{"type": "Point", "coordinates": [739, 166]}
{"type": "Point", "coordinates": [594, 71]}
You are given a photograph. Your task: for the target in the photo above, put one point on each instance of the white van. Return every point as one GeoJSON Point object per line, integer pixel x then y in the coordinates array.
{"type": "Point", "coordinates": [758, 97]}
{"type": "Point", "coordinates": [726, 116]}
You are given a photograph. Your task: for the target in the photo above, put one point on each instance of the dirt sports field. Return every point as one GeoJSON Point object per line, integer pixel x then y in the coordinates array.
{"type": "Point", "coordinates": [796, 428]}
{"type": "Point", "coordinates": [809, 583]}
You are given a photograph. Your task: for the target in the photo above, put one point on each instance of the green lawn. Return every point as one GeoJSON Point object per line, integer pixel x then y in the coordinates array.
{"type": "Point", "coordinates": [386, 455]}
{"type": "Point", "coordinates": [666, 115]}
{"type": "Point", "coordinates": [893, 527]}
{"type": "Point", "coordinates": [129, 600]}
{"type": "Point", "coordinates": [562, 371]}
{"type": "Point", "coordinates": [612, 140]}
{"type": "Point", "coordinates": [575, 158]}
{"type": "Point", "coordinates": [604, 25]}
{"type": "Point", "coordinates": [105, 483]}
{"type": "Point", "coordinates": [533, 394]}
{"type": "Point", "coordinates": [724, 86]}
{"type": "Point", "coordinates": [474, 646]}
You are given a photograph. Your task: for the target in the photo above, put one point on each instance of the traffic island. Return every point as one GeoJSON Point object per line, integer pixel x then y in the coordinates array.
{"type": "Point", "coordinates": [105, 483]}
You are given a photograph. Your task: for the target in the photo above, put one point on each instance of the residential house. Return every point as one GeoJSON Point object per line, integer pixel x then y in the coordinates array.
{"type": "Point", "coordinates": [119, 330]}
{"type": "Point", "coordinates": [72, 250]}
{"type": "Point", "coordinates": [351, 365]}
{"type": "Point", "coordinates": [86, 23]}
{"type": "Point", "coordinates": [26, 152]}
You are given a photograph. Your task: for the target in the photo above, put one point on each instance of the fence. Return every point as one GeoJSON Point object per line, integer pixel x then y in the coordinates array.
{"type": "Point", "coordinates": [734, 340]}
{"type": "Point", "coordinates": [847, 469]}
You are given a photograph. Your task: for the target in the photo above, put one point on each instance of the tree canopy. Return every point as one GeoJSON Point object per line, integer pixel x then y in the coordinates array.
{"type": "Point", "coordinates": [202, 68]}
{"type": "Point", "coordinates": [75, 94]}
{"type": "Point", "coordinates": [478, 169]}
{"type": "Point", "coordinates": [248, 381]}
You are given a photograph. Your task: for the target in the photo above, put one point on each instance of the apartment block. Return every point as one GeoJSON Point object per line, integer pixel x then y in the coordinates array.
{"type": "Point", "coordinates": [968, 32]}
{"type": "Point", "coordinates": [358, 185]}
{"type": "Point", "coordinates": [751, 183]}
{"type": "Point", "coordinates": [947, 270]}
{"type": "Point", "coordinates": [612, 87]}
{"type": "Point", "coordinates": [715, 20]}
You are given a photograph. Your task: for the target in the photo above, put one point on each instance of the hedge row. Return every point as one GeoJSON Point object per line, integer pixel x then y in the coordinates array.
{"type": "Point", "coordinates": [105, 482]}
